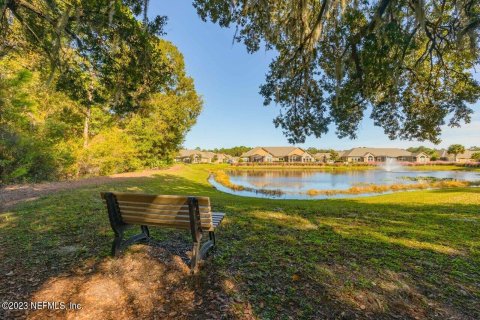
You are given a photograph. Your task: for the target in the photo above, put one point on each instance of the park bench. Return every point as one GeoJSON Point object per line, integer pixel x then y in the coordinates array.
{"type": "Point", "coordinates": [179, 212]}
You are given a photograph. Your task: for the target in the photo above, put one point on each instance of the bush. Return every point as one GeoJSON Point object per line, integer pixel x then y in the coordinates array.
{"type": "Point", "coordinates": [23, 159]}
{"type": "Point", "coordinates": [111, 151]}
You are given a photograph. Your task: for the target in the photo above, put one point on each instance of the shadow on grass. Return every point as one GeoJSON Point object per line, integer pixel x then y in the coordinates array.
{"type": "Point", "coordinates": [275, 259]}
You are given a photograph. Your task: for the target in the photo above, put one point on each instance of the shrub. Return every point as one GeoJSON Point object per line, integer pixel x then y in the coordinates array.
{"type": "Point", "coordinates": [24, 159]}
{"type": "Point", "coordinates": [111, 151]}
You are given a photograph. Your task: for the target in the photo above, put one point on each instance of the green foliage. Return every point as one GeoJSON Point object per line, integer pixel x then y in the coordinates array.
{"type": "Point", "coordinates": [162, 121]}
{"type": "Point", "coordinates": [111, 151]}
{"type": "Point", "coordinates": [476, 156]}
{"type": "Point", "coordinates": [456, 149]}
{"type": "Point", "coordinates": [27, 144]}
{"type": "Point", "coordinates": [42, 127]}
{"type": "Point", "coordinates": [22, 158]}
{"type": "Point", "coordinates": [432, 153]}
{"type": "Point", "coordinates": [124, 65]}
{"type": "Point", "coordinates": [334, 155]}
{"type": "Point", "coordinates": [234, 151]}
{"type": "Point", "coordinates": [313, 150]}
{"type": "Point", "coordinates": [410, 62]}
{"type": "Point", "coordinates": [87, 88]}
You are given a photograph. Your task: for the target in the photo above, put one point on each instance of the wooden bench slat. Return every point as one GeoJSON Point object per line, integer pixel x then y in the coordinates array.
{"type": "Point", "coordinates": [152, 221]}
{"type": "Point", "coordinates": [203, 217]}
{"type": "Point", "coordinates": [158, 206]}
{"type": "Point", "coordinates": [162, 211]}
{"type": "Point", "coordinates": [166, 224]}
{"type": "Point", "coordinates": [159, 199]}
{"type": "Point", "coordinates": [218, 214]}
{"type": "Point", "coordinates": [217, 218]}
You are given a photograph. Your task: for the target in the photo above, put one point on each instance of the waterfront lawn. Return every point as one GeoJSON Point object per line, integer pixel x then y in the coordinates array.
{"type": "Point", "coordinates": [403, 255]}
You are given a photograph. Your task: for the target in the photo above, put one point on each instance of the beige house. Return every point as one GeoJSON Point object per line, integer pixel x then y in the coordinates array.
{"type": "Point", "coordinates": [195, 156]}
{"type": "Point", "coordinates": [382, 154]}
{"type": "Point", "coordinates": [277, 154]}
{"type": "Point", "coordinates": [460, 158]}
{"type": "Point", "coordinates": [225, 158]}
{"type": "Point", "coordinates": [324, 157]}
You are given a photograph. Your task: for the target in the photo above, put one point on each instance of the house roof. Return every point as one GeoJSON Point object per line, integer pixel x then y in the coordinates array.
{"type": "Point", "coordinates": [466, 155]}
{"type": "Point", "coordinates": [274, 151]}
{"type": "Point", "coordinates": [416, 154]}
{"type": "Point", "coordinates": [223, 156]}
{"type": "Point", "coordinates": [188, 153]}
{"type": "Point", "coordinates": [388, 152]}
{"type": "Point", "coordinates": [251, 152]}
{"type": "Point", "coordinates": [321, 155]}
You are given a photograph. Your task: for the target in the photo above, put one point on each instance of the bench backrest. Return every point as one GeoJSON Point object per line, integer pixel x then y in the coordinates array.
{"type": "Point", "coordinates": [161, 210]}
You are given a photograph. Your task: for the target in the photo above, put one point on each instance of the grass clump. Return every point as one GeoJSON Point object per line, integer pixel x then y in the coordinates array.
{"type": "Point", "coordinates": [221, 177]}
{"type": "Point", "coordinates": [374, 188]}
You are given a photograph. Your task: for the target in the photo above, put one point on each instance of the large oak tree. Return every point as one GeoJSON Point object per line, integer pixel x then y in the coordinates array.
{"type": "Point", "coordinates": [90, 38]}
{"type": "Point", "coordinates": [410, 61]}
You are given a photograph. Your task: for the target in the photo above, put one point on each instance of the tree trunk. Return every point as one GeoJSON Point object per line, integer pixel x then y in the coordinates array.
{"type": "Point", "coordinates": [86, 127]}
{"type": "Point", "coordinates": [88, 112]}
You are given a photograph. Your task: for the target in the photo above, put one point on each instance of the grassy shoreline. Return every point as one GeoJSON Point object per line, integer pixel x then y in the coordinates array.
{"type": "Point", "coordinates": [401, 255]}
{"type": "Point", "coordinates": [222, 178]}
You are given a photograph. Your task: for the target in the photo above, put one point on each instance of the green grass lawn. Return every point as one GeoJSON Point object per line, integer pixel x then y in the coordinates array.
{"type": "Point", "coordinates": [403, 255]}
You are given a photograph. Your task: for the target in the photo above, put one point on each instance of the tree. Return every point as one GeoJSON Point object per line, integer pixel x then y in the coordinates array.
{"type": "Point", "coordinates": [409, 61]}
{"type": "Point", "coordinates": [456, 149]}
{"type": "Point", "coordinates": [476, 156]}
{"type": "Point", "coordinates": [333, 155]}
{"type": "Point", "coordinates": [234, 151]}
{"type": "Point", "coordinates": [104, 42]}
{"type": "Point", "coordinates": [35, 121]}
{"type": "Point", "coordinates": [313, 150]}
{"type": "Point", "coordinates": [42, 121]}
{"type": "Point", "coordinates": [432, 153]}
{"type": "Point", "coordinates": [161, 123]}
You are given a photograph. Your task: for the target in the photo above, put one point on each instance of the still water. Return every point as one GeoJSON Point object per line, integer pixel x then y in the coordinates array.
{"type": "Point", "coordinates": [295, 183]}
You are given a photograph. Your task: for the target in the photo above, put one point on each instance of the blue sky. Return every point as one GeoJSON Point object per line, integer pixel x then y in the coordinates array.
{"type": "Point", "coordinates": [228, 79]}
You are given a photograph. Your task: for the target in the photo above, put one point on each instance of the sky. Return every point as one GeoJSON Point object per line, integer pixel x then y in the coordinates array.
{"type": "Point", "coordinates": [228, 79]}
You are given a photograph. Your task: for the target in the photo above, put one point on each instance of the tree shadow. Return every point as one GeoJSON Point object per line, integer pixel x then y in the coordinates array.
{"type": "Point", "coordinates": [412, 260]}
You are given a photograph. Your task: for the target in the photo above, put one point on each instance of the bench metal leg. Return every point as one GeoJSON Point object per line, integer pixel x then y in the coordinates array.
{"type": "Point", "coordinates": [145, 231]}
{"type": "Point", "coordinates": [211, 236]}
{"type": "Point", "coordinates": [119, 244]}
{"type": "Point", "coordinates": [201, 252]}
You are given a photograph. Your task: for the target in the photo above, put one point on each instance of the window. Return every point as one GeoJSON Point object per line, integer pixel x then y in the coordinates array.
{"type": "Point", "coordinates": [370, 159]}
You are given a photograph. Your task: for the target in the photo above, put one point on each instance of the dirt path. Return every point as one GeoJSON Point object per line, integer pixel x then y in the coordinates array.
{"type": "Point", "coordinates": [12, 194]}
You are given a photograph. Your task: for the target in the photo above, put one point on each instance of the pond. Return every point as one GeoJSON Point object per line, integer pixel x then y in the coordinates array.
{"type": "Point", "coordinates": [295, 184]}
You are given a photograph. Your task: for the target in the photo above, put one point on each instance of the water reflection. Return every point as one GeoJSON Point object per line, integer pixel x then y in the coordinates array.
{"type": "Point", "coordinates": [295, 183]}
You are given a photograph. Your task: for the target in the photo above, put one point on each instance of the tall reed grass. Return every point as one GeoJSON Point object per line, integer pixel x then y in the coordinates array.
{"type": "Point", "coordinates": [373, 188]}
